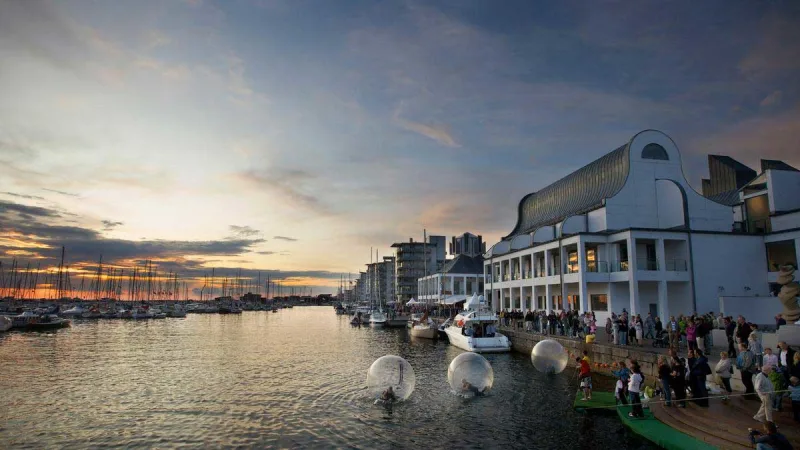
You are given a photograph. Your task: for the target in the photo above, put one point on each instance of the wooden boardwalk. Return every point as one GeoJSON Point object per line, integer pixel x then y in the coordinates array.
{"type": "Point", "coordinates": [724, 424]}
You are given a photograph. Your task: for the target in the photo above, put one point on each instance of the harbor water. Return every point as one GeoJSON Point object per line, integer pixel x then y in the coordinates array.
{"type": "Point", "coordinates": [295, 378]}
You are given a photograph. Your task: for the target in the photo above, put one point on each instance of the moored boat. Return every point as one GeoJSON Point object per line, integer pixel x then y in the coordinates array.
{"type": "Point", "coordinates": [474, 330]}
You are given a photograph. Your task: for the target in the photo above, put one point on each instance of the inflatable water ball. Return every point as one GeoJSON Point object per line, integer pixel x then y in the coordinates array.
{"type": "Point", "coordinates": [548, 356]}
{"type": "Point", "coordinates": [470, 374]}
{"type": "Point", "coordinates": [391, 371]}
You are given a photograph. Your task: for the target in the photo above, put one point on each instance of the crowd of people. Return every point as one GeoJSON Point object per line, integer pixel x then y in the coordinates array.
{"type": "Point", "coordinates": [767, 374]}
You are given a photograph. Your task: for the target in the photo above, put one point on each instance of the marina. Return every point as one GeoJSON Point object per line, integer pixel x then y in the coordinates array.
{"type": "Point", "coordinates": [291, 379]}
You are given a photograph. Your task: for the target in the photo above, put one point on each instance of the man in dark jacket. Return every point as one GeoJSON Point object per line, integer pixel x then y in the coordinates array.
{"type": "Point", "coordinates": [744, 330]}
{"type": "Point", "coordinates": [786, 360]}
{"type": "Point", "coordinates": [730, 328]}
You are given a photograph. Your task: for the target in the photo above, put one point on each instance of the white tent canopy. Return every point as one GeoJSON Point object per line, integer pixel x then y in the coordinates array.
{"type": "Point", "coordinates": [453, 299]}
{"type": "Point", "coordinates": [411, 302]}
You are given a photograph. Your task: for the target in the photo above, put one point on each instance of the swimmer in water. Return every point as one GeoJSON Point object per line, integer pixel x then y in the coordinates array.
{"type": "Point", "coordinates": [388, 395]}
{"type": "Point", "coordinates": [466, 386]}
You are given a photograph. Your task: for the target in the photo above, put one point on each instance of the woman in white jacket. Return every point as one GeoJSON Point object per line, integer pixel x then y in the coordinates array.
{"type": "Point", "coordinates": [724, 370]}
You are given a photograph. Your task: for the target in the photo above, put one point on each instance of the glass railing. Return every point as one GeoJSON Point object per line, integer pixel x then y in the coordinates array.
{"type": "Point", "coordinates": [677, 265]}
{"type": "Point", "coordinates": [619, 266]}
{"type": "Point", "coordinates": [646, 264]}
{"type": "Point", "coordinates": [538, 273]}
{"type": "Point", "coordinates": [597, 266]}
{"type": "Point", "coordinates": [572, 268]}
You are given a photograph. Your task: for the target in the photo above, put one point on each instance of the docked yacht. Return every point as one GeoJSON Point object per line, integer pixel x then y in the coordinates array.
{"type": "Point", "coordinates": [473, 329]}
{"type": "Point", "coordinates": [377, 319]}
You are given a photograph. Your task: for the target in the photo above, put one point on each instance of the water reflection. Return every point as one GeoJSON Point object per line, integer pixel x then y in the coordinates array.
{"type": "Point", "coordinates": [291, 379]}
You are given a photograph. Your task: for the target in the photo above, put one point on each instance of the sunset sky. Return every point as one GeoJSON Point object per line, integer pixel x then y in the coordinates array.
{"type": "Point", "coordinates": [292, 136]}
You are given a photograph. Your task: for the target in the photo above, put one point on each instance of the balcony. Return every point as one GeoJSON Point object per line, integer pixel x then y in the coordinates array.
{"type": "Point", "coordinates": [619, 266]}
{"type": "Point", "coordinates": [646, 264]}
{"type": "Point", "coordinates": [539, 273]}
{"type": "Point", "coordinates": [677, 265]}
{"type": "Point", "coordinates": [597, 266]}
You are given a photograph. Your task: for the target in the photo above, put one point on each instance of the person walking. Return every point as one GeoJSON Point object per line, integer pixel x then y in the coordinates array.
{"type": "Point", "coordinates": [673, 330]}
{"type": "Point", "coordinates": [650, 327]}
{"type": "Point", "coordinates": [724, 371]}
{"type": "Point", "coordinates": [747, 367]}
{"type": "Point", "coordinates": [764, 390]}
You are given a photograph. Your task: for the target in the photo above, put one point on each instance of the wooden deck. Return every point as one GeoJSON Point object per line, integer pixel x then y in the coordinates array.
{"type": "Point", "coordinates": [724, 424]}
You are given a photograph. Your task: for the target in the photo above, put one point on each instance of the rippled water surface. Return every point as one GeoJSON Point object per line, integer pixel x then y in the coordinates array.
{"type": "Point", "coordinates": [289, 379]}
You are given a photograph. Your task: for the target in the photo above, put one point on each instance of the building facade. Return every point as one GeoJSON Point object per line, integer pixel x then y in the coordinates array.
{"type": "Point", "coordinates": [460, 277]}
{"type": "Point", "coordinates": [628, 231]}
{"type": "Point", "coordinates": [414, 260]}
{"type": "Point", "coordinates": [467, 244]}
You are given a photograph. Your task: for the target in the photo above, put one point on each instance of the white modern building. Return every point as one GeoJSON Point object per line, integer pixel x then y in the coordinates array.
{"type": "Point", "coordinates": [628, 231]}
{"type": "Point", "coordinates": [379, 285]}
{"type": "Point", "coordinates": [460, 277]}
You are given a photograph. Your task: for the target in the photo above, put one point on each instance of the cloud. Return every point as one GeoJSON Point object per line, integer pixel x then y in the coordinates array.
{"type": "Point", "coordinates": [775, 48]}
{"type": "Point", "coordinates": [110, 225]}
{"type": "Point", "coordinates": [285, 238]}
{"type": "Point", "coordinates": [292, 187]}
{"type": "Point", "coordinates": [438, 133]}
{"type": "Point", "coordinates": [772, 99]}
{"type": "Point", "coordinates": [745, 140]}
{"type": "Point", "coordinates": [266, 253]}
{"type": "Point", "coordinates": [68, 194]}
{"type": "Point", "coordinates": [25, 196]}
{"type": "Point", "coordinates": [7, 208]}
{"type": "Point", "coordinates": [244, 231]}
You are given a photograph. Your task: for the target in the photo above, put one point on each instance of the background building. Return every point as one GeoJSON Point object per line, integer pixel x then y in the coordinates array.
{"type": "Point", "coordinates": [467, 244]}
{"type": "Point", "coordinates": [460, 277]}
{"type": "Point", "coordinates": [414, 260]}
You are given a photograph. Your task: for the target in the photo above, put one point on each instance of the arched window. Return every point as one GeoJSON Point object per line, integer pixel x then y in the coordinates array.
{"type": "Point", "coordinates": [654, 151]}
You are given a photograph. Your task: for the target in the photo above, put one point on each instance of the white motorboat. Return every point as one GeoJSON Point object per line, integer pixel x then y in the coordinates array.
{"type": "Point", "coordinates": [473, 330]}
{"type": "Point", "coordinates": [75, 311]}
{"type": "Point", "coordinates": [176, 311]}
{"type": "Point", "coordinates": [423, 327]}
{"type": "Point", "coordinates": [5, 323]}
{"type": "Point", "coordinates": [377, 319]}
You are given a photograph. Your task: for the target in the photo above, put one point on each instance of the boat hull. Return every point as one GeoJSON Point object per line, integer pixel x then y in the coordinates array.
{"type": "Point", "coordinates": [424, 332]}
{"type": "Point", "coordinates": [496, 344]}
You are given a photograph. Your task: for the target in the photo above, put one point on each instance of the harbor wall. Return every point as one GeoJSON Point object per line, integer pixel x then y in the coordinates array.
{"type": "Point", "coordinates": [599, 353]}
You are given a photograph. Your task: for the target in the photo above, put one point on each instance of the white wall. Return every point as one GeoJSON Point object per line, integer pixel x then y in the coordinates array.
{"type": "Point", "coordinates": [669, 202]}
{"type": "Point", "coordinates": [784, 190]}
{"type": "Point", "coordinates": [785, 221]}
{"type": "Point", "coordinates": [758, 310]}
{"type": "Point", "coordinates": [679, 297]}
{"type": "Point", "coordinates": [573, 224]}
{"type": "Point", "coordinates": [636, 206]}
{"type": "Point", "coordinates": [730, 261]}
{"type": "Point", "coordinates": [648, 293]}
{"type": "Point", "coordinates": [597, 220]}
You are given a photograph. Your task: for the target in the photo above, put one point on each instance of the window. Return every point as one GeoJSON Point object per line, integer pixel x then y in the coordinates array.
{"type": "Point", "coordinates": [654, 151]}
{"type": "Point", "coordinates": [780, 253]}
{"type": "Point", "coordinates": [591, 259]}
{"type": "Point", "coordinates": [572, 262]}
{"type": "Point", "coordinates": [599, 302]}
{"type": "Point", "coordinates": [574, 302]}
{"type": "Point", "coordinates": [540, 302]}
{"type": "Point", "coordinates": [557, 302]}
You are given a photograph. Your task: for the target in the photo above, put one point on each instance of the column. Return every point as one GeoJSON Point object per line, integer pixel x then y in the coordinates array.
{"type": "Point", "coordinates": [663, 301]}
{"type": "Point", "coordinates": [661, 259]}
{"type": "Point", "coordinates": [633, 280]}
{"type": "Point", "coordinates": [582, 288]}
{"type": "Point", "coordinates": [548, 297]}
{"type": "Point", "coordinates": [547, 263]}
{"type": "Point", "coordinates": [501, 270]}
{"type": "Point", "coordinates": [521, 268]}
{"type": "Point", "coordinates": [464, 285]}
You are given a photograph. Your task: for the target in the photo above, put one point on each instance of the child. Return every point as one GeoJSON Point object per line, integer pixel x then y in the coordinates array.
{"type": "Point", "coordinates": [619, 392]}
{"type": "Point", "coordinates": [585, 376]}
{"type": "Point", "coordinates": [586, 357]}
{"type": "Point", "coordinates": [794, 393]}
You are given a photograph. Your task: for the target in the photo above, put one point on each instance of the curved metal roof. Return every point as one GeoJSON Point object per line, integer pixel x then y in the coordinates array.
{"type": "Point", "coordinates": [577, 193]}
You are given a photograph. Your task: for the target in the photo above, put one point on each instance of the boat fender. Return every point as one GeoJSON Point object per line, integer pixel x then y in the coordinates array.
{"type": "Point", "coordinates": [461, 323]}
